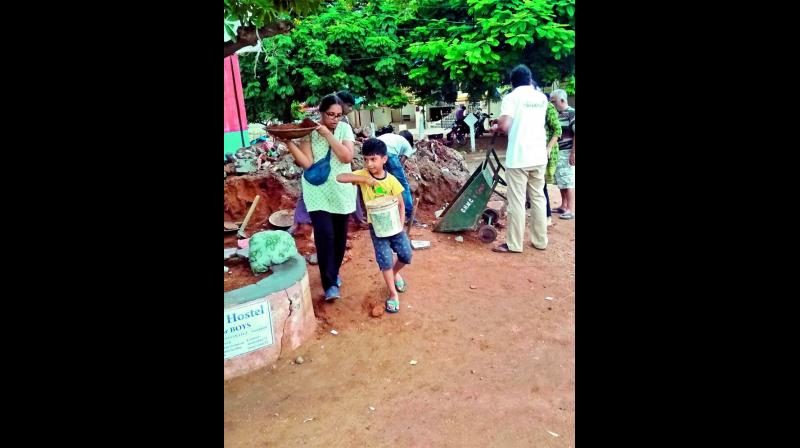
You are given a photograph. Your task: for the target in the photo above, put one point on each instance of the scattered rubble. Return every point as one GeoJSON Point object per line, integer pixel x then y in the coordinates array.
{"type": "Point", "coordinates": [436, 173]}
{"type": "Point", "coordinates": [420, 244]}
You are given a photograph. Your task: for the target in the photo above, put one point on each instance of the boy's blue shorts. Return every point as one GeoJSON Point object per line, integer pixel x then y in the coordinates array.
{"type": "Point", "coordinates": [385, 246]}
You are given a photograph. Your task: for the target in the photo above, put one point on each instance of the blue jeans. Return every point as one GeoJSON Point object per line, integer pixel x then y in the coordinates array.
{"type": "Point", "coordinates": [394, 167]}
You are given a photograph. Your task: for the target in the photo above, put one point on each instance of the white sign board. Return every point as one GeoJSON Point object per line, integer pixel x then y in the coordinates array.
{"type": "Point", "coordinates": [248, 327]}
{"type": "Point", "coordinates": [470, 120]}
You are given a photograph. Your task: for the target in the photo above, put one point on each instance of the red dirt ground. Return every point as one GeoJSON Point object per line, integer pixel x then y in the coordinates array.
{"type": "Point", "coordinates": [495, 358]}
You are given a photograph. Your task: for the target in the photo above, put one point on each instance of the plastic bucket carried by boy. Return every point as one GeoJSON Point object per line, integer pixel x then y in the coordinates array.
{"type": "Point", "coordinates": [384, 213]}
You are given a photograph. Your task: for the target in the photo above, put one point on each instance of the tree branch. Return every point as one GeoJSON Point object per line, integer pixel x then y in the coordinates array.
{"type": "Point", "coordinates": [246, 35]}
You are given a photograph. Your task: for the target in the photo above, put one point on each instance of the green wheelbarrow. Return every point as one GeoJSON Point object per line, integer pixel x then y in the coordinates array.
{"type": "Point", "coordinates": [469, 205]}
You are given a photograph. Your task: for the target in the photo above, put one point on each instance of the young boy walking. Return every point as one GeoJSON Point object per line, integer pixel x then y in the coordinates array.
{"type": "Point", "coordinates": [375, 182]}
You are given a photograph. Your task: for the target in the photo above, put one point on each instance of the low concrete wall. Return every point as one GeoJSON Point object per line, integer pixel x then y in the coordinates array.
{"type": "Point", "coordinates": [286, 297]}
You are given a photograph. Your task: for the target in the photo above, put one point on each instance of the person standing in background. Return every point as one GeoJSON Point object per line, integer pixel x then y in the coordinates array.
{"type": "Point", "coordinates": [565, 168]}
{"type": "Point", "coordinates": [522, 117]}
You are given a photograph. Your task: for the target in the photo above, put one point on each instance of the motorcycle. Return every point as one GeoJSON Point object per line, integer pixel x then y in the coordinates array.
{"type": "Point", "coordinates": [482, 125]}
{"type": "Point", "coordinates": [459, 132]}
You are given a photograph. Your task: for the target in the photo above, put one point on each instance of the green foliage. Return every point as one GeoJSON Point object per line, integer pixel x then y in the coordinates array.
{"type": "Point", "coordinates": [346, 46]}
{"type": "Point", "coordinates": [432, 48]}
{"type": "Point", "coordinates": [297, 111]}
{"type": "Point", "coordinates": [261, 12]}
{"type": "Point", "coordinates": [569, 85]}
{"type": "Point", "coordinates": [495, 36]}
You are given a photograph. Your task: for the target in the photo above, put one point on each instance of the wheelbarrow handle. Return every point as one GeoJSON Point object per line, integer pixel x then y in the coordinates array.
{"type": "Point", "coordinates": [497, 159]}
{"type": "Point", "coordinates": [495, 168]}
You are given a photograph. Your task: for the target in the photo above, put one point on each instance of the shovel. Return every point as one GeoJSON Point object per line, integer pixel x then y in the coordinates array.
{"type": "Point", "coordinates": [241, 234]}
{"type": "Point", "coordinates": [413, 213]}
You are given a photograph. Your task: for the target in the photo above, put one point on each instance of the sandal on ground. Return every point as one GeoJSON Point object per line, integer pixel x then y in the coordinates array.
{"type": "Point", "coordinates": [503, 248]}
{"type": "Point", "coordinates": [392, 306]}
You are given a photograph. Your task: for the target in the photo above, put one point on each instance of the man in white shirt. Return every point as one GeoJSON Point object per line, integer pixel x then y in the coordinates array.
{"type": "Point", "coordinates": [522, 117]}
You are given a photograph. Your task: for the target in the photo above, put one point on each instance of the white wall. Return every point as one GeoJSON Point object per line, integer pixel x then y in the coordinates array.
{"type": "Point", "coordinates": [493, 108]}
{"type": "Point", "coordinates": [381, 116]}
{"type": "Point", "coordinates": [410, 110]}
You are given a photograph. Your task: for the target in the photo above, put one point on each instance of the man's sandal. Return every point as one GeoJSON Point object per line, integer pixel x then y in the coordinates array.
{"type": "Point", "coordinates": [503, 248]}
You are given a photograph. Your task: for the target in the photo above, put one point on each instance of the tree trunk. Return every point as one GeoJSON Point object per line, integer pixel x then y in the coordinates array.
{"type": "Point", "coordinates": [286, 113]}
{"type": "Point", "coordinates": [247, 36]}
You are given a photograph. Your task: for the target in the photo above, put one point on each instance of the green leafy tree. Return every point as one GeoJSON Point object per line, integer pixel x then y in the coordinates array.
{"type": "Point", "coordinates": [348, 45]}
{"type": "Point", "coordinates": [474, 43]}
{"type": "Point", "coordinates": [378, 49]}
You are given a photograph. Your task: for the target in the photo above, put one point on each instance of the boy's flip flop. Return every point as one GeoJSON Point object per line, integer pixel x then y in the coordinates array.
{"type": "Point", "coordinates": [392, 306]}
{"type": "Point", "coordinates": [401, 286]}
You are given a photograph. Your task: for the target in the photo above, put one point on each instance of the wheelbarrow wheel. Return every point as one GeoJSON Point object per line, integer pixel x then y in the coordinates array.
{"type": "Point", "coordinates": [490, 216]}
{"type": "Point", "coordinates": [487, 234]}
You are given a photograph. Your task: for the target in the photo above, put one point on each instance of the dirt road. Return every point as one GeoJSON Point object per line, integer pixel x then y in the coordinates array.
{"type": "Point", "coordinates": [495, 360]}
